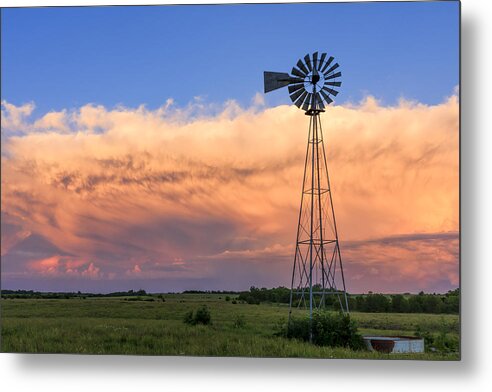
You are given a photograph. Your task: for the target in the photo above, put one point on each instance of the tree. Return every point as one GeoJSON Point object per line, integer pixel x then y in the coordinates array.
{"type": "Point", "coordinates": [377, 303]}
{"type": "Point", "coordinates": [432, 304]}
{"type": "Point", "coordinates": [399, 304]}
{"type": "Point", "coordinates": [415, 304]}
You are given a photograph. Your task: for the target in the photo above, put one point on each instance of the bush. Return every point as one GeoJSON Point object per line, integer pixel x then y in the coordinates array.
{"type": "Point", "coordinates": [250, 299]}
{"type": "Point", "coordinates": [188, 318]}
{"type": "Point", "coordinates": [234, 302]}
{"type": "Point", "coordinates": [328, 329]}
{"type": "Point", "coordinates": [446, 343]}
{"type": "Point", "coordinates": [227, 298]}
{"type": "Point", "coordinates": [443, 342]}
{"type": "Point", "coordinates": [239, 322]}
{"type": "Point", "coordinates": [201, 316]}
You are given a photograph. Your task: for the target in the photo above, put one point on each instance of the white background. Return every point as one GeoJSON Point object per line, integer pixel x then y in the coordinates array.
{"type": "Point", "coordinates": [474, 373]}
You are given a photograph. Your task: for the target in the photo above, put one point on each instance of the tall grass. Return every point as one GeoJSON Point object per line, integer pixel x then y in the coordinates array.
{"type": "Point", "coordinates": [116, 326]}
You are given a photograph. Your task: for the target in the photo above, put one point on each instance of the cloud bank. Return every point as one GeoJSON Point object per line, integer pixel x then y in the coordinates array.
{"type": "Point", "coordinates": [178, 198]}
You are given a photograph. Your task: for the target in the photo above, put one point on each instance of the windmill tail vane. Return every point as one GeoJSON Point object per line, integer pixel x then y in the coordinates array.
{"type": "Point", "coordinates": [318, 280]}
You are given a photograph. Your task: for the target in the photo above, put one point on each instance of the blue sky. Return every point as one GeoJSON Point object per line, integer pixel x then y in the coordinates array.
{"type": "Point", "coordinates": [68, 57]}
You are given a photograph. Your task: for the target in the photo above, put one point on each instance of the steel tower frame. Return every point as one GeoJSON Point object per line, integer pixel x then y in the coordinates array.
{"type": "Point", "coordinates": [317, 256]}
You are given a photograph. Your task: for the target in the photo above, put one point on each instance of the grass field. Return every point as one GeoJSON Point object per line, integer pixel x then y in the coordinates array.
{"type": "Point", "coordinates": [119, 326]}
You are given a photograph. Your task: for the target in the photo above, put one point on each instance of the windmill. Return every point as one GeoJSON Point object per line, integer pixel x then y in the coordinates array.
{"type": "Point", "coordinates": [317, 274]}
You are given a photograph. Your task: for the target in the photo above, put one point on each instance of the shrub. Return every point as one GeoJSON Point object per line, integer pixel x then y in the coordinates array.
{"type": "Point", "coordinates": [239, 321]}
{"type": "Point", "coordinates": [201, 316]}
{"type": "Point", "coordinates": [234, 302]}
{"type": "Point", "coordinates": [227, 298]}
{"type": "Point", "coordinates": [328, 329]}
{"type": "Point", "coordinates": [251, 300]}
{"type": "Point", "coordinates": [443, 342]}
{"type": "Point", "coordinates": [188, 318]}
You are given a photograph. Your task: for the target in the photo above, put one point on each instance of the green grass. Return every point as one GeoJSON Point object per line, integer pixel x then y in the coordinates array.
{"type": "Point", "coordinates": [117, 326]}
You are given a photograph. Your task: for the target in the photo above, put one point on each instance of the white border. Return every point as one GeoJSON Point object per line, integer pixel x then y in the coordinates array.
{"type": "Point", "coordinates": [30, 3]}
{"type": "Point", "coordinates": [124, 373]}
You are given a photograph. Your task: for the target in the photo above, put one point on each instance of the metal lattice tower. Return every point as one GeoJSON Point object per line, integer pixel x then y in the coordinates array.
{"type": "Point", "coordinates": [317, 272]}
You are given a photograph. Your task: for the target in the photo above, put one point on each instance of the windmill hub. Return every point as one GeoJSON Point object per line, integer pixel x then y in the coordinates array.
{"type": "Point", "coordinates": [315, 79]}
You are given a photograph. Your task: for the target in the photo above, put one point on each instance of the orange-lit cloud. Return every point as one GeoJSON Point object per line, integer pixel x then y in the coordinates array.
{"type": "Point", "coordinates": [182, 195]}
{"type": "Point", "coordinates": [62, 266]}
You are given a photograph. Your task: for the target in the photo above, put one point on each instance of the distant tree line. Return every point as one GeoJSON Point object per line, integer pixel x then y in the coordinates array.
{"type": "Point", "coordinates": [256, 295]}
{"type": "Point", "coordinates": [408, 303]}
{"type": "Point", "coordinates": [372, 303]}
{"type": "Point", "coordinates": [66, 295]}
{"type": "Point", "coordinates": [210, 292]}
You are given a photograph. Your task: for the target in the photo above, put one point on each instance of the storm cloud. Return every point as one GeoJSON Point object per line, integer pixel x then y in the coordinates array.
{"type": "Point", "coordinates": [178, 197]}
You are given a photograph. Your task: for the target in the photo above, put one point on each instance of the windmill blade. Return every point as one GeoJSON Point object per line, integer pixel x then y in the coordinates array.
{"type": "Point", "coordinates": [323, 55]}
{"type": "Point", "coordinates": [327, 63]}
{"type": "Point", "coordinates": [295, 87]}
{"type": "Point", "coordinates": [307, 59]}
{"type": "Point", "coordinates": [326, 97]}
{"type": "Point", "coordinates": [335, 66]}
{"type": "Point", "coordinates": [319, 100]}
{"type": "Point", "coordinates": [275, 80]}
{"type": "Point", "coordinates": [330, 91]}
{"type": "Point", "coordinates": [338, 74]}
{"type": "Point", "coordinates": [297, 94]}
{"type": "Point", "coordinates": [300, 100]}
{"type": "Point", "coordinates": [307, 102]}
{"type": "Point", "coordinates": [298, 73]}
{"type": "Point", "coordinates": [301, 65]}
{"type": "Point", "coordinates": [315, 61]}
{"type": "Point", "coordinates": [337, 84]}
